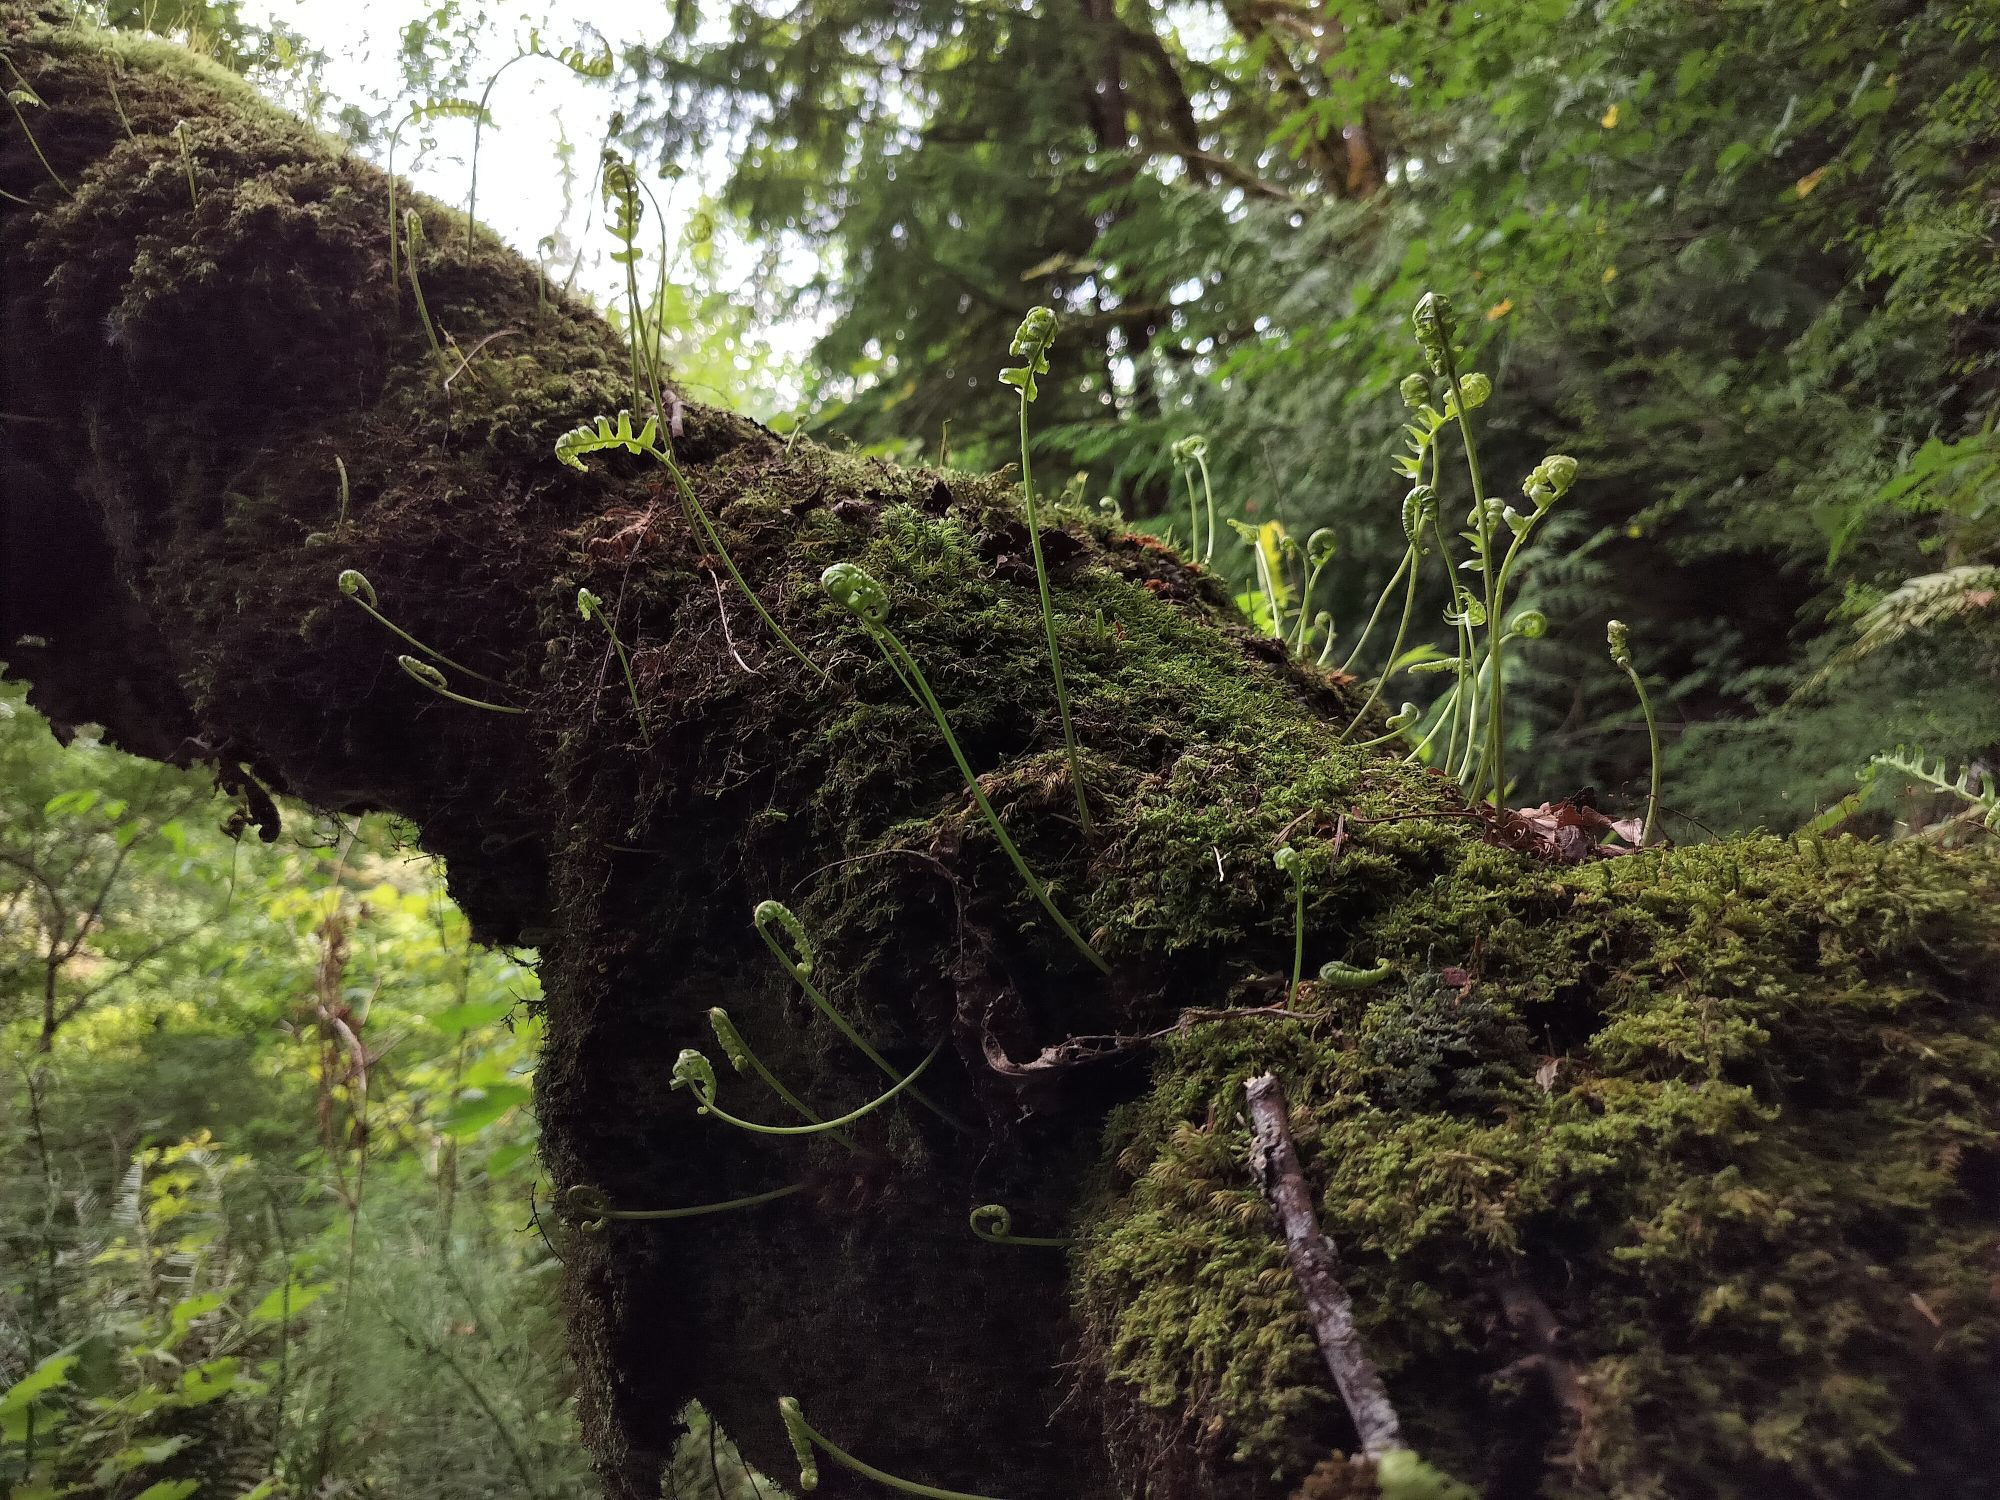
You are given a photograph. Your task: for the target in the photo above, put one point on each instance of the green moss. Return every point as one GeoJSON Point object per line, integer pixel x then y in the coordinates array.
{"type": "Point", "coordinates": [1728, 1110]}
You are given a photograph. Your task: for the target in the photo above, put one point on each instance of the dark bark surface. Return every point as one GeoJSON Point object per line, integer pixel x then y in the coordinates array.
{"type": "Point", "coordinates": [1725, 1117]}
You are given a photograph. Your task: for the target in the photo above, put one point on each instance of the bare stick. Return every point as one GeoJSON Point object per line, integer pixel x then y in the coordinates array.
{"type": "Point", "coordinates": [1316, 1266]}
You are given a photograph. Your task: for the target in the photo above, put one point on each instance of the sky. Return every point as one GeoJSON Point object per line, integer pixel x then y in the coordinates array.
{"type": "Point", "coordinates": [533, 107]}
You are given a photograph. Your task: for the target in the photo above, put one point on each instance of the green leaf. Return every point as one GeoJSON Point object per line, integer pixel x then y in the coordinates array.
{"type": "Point", "coordinates": [168, 1489]}
{"type": "Point", "coordinates": [185, 1312]}
{"type": "Point", "coordinates": [276, 1304]}
{"type": "Point", "coordinates": [1733, 156]}
{"type": "Point", "coordinates": [70, 802]}
{"type": "Point", "coordinates": [45, 1377]}
{"type": "Point", "coordinates": [478, 1108]}
{"type": "Point", "coordinates": [458, 1019]}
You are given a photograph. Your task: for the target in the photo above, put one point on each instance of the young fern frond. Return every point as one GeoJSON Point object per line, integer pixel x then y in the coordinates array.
{"type": "Point", "coordinates": [1973, 785]}
{"type": "Point", "coordinates": [355, 585]}
{"type": "Point", "coordinates": [992, 1223]}
{"type": "Point", "coordinates": [180, 135]}
{"type": "Point", "coordinates": [744, 1060]}
{"type": "Point", "coordinates": [421, 111]}
{"type": "Point", "coordinates": [1191, 455]}
{"type": "Point", "coordinates": [805, 1439]}
{"type": "Point", "coordinates": [696, 1074]}
{"type": "Point", "coordinates": [1619, 638]}
{"type": "Point", "coordinates": [591, 607]}
{"type": "Point", "coordinates": [589, 1209]}
{"type": "Point", "coordinates": [413, 245]}
{"type": "Point", "coordinates": [1031, 346]}
{"type": "Point", "coordinates": [574, 445]}
{"type": "Point", "coordinates": [17, 96]}
{"type": "Point", "coordinates": [579, 62]}
{"type": "Point", "coordinates": [862, 596]}
{"type": "Point", "coordinates": [432, 678]}
{"type": "Point", "coordinates": [774, 917]}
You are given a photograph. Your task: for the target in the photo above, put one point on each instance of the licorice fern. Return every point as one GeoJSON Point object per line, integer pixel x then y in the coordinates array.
{"type": "Point", "coordinates": [590, 607]}
{"type": "Point", "coordinates": [1973, 785]}
{"type": "Point", "coordinates": [805, 1439]}
{"type": "Point", "coordinates": [992, 1223]}
{"type": "Point", "coordinates": [354, 585]}
{"type": "Point", "coordinates": [605, 435]}
{"type": "Point", "coordinates": [1031, 346]}
{"type": "Point", "coordinates": [422, 111]}
{"type": "Point", "coordinates": [854, 590]}
{"type": "Point", "coordinates": [695, 1073]}
{"type": "Point", "coordinates": [774, 917]}
{"type": "Point", "coordinates": [579, 62]}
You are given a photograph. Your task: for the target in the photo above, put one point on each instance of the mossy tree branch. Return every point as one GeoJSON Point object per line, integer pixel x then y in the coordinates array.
{"type": "Point", "coordinates": [1729, 1113]}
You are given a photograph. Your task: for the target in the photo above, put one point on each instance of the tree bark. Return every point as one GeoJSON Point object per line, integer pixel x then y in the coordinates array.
{"type": "Point", "coordinates": [1728, 1114]}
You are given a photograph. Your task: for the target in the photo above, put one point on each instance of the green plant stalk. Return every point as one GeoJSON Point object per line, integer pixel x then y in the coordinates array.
{"type": "Point", "coordinates": [433, 679]}
{"type": "Point", "coordinates": [1466, 701]}
{"type": "Point", "coordinates": [22, 120]}
{"type": "Point", "coordinates": [1049, 625]}
{"type": "Point", "coordinates": [435, 655]}
{"type": "Point", "coordinates": [1208, 494]}
{"type": "Point", "coordinates": [1395, 650]}
{"type": "Point", "coordinates": [694, 510]}
{"type": "Point", "coordinates": [1494, 772]}
{"type": "Point", "coordinates": [1653, 745]}
{"type": "Point", "coordinates": [841, 1024]}
{"type": "Point", "coordinates": [625, 665]}
{"type": "Point", "coordinates": [734, 1045]}
{"type": "Point", "coordinates": [1298, 934]}
{"type": "Point", "coordinates": [1267, 585]}
{"type": "Point", "coordinates": [1381, 603]}
{"type": "Point", "coordinates": [695, 1211]}
{"type": "Point", "coordinates": [893, 649]}
{"type": "Point", "coordinates": [1002, 1232]}
{"type": "Point", "coordinates": [1305, 605]}
{"type": "Point", "coordinates": [804, 1438]}
{"type": "Point", "coordinates": [1448, 709]}
{"type": "Point", "coordinates": [412, 243]}
{"type": "Point", "coordinates": [821, 1127]}
{"type": "Point", "coordinates": [478, 125]}
{"type": "Point", "coordinates": [1194, 513]}
{"type": "Point", "coordinates": [340, 520]}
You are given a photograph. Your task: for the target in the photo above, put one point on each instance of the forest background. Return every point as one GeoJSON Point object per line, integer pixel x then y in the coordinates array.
{"type": "Point", "coordinates": [269, 1204]}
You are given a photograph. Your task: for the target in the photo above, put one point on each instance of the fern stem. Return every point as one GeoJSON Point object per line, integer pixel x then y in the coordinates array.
{"type": "Point", "coordinates": [1049, 626]}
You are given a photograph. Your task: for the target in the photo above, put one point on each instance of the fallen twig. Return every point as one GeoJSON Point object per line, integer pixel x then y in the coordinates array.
{"type": "Point", "coordinates": [1315, 1266]}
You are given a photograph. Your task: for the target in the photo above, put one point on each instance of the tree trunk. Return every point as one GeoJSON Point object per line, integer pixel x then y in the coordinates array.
{"type": "Point", "coordinates": [1727, 1114]}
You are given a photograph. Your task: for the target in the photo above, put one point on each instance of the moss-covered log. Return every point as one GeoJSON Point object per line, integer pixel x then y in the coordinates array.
{"type": "Point", "coordinates": [1672, 1175]}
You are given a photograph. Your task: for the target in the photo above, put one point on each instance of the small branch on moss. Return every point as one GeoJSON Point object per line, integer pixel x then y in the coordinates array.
{"type": "Point", "coordinates": [1536, 1326]}
{"type": "Point", "coordinates": [1315, 1265]}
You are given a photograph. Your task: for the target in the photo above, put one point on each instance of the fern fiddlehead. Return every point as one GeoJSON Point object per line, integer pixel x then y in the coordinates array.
{"type": "Point", "coordinates": [589, 1209]}
{"type": "Point", "coordinates": [1619, 638]}
{"type": "Point", "coordinates": [805, 1439]}
{"type": "Point", "coordinates": [695, 1073]}
{"type": "Point", "coordinates": [591, 607]}
{"type": "Point", "coordinates": [861, 595]}
{"type": "Point", "coordinates": [1031, 345]}
{"type": "Point", "coordinates": [745, 1060]}
{"type": "Point", "coordinates": [774, 917]}
{"type": "Point", "coordinates": [432, 678]}
{"type": "Point", "coordinates": [992, 1223]}
{"type": "Point", "coordinates": [354, 585]}
{"type": "Point", "coordinates": [573, 446]}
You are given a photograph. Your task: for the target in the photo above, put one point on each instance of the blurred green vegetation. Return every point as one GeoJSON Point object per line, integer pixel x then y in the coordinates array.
{"type": "Point", "coordinates": [266, 1156]}
{"type": "Point", "coordinates": [1737, 258]}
